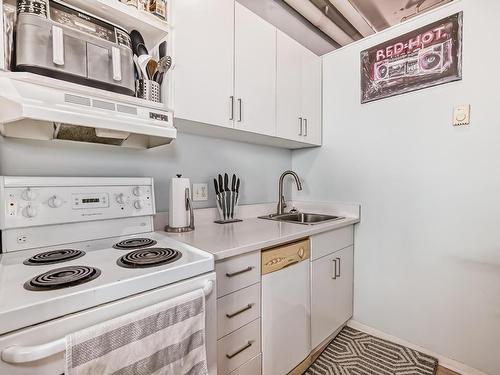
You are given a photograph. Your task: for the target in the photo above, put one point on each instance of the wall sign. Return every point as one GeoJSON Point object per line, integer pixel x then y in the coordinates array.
{"type": "Point", "coordinates": [429, 56]}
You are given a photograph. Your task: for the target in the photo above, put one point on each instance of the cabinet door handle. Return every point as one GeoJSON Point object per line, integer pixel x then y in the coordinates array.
{"type": "Point", "coordinates": [248, 269]}
{"type": "Point", "coordinates": [231, 108]}
{"type": "Point", "coordinates": [300, 125]}
{"type": "Point", "coordinates": [239, 109]}
{"type": "Point", "coordinates": [241, 311]}
{"type": "Point", "coordinates": [339, 267]}
{"type": "Point", "coordinates": [334, 269]}
{"type": "Point", "coordinates": [305, 127]}
{"type": "Point", "coordinates": [229, 356]}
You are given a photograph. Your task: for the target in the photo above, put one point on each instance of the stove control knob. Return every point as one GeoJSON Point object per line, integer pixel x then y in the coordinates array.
{"type": "Point", "coordinates": [138, 204]}
{"type": "Point", "coordinates": [138, 191]}
{"type": "Point", "coordinates": [55, 201]}
{"type": "Point", "coordinates": [29, 194]}
{"type": "Point", "coordinates": [30, 211]}
{"type": "Point", "coordinates": [120, 198]}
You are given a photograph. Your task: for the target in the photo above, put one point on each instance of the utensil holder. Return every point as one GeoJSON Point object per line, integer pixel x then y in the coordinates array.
{"type": "Point", "coordinates": [226, 204]}
{"type": "Point", "coordinates": [149, 90]}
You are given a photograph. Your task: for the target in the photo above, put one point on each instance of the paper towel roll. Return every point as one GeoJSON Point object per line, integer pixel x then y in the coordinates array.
{"type": "Point", "coordinates": [178, 215]}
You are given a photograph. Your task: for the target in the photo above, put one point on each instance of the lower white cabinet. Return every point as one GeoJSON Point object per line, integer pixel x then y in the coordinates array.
{"type": "Point", "coordinates": [238, 347]}
{"type": "Point", "coordinates": [331, 293]}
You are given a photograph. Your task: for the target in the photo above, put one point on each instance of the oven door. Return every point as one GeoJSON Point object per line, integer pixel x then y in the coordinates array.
{"type": "Point", "coordinates": [39, 350]}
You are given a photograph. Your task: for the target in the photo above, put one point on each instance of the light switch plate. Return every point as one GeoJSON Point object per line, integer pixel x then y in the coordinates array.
{"type": "Point", "coordinates": [200, 192]}
{"type": "Point", "coordinates": [461, 115]}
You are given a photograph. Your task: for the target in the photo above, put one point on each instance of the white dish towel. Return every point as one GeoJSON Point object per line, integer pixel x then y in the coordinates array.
{"type": "Point", "coordinates": [164, 339]}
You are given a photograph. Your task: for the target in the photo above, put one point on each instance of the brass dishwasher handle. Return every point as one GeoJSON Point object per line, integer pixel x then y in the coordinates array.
{"type": "Point", "coordinates": [248, 269]}
{"type": "Point", "coordinates": [229, 356]}
{"type": "Point", "coordinates": [290, 264]}
{"type": "Point", "coordinates": [246, 308]}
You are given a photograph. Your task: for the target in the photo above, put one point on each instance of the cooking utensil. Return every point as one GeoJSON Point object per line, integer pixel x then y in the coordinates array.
{"type": "Point", "coordinates": [138, 44]}
{"type": "Point", "coordinates": [162, 49]}
{"type": "Point", "coordinates": [137, 67]}
{"type": "Point", "coordinates": [152, 67]}
{"type": "Point", "coordinates": [143, 61]}
{"type": "Point", "coordinates": [164, 64]}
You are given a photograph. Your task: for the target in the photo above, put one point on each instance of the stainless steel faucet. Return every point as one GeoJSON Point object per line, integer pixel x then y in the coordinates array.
{"type": "Point", "coordinates": [281, 198]}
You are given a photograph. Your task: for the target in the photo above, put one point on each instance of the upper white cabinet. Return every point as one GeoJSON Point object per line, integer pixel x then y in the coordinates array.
{"type": "Point", "coordinates": [204, 60]}
{"type": "Point", "coordinates": [234, 70]}
{"type": "Point", "coordinates": [311, 96]}
{"type": "Point", "coordinates": [289, 86]}
{"type": "Point", "coordinates": [298, 92]}
{"type": "Point", "coordinates": [255, 73]}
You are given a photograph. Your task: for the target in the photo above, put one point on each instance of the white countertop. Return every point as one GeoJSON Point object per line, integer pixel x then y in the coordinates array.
{"type": "Point", "coordinates": [228, 240]}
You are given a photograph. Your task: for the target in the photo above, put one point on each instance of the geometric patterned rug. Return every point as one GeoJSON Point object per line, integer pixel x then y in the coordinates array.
{"type": "Point", "coordinates": [354, 352]}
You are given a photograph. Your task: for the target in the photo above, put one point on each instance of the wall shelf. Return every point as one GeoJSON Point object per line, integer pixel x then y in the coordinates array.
{"type": "Point", "coordinates": [152, 28]}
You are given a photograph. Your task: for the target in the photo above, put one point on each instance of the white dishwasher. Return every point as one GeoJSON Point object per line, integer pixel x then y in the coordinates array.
{"type": "Point", "coordinates": [286, 307]}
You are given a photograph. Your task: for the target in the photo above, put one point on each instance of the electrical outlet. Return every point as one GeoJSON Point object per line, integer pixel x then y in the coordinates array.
{"type": "Point", "coordinates": [22, 239]}
{"type": "Point", "coordinates": [200, 192]}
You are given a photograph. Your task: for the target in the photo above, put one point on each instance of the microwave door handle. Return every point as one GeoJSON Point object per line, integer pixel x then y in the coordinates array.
{"type": "Point", "coordinates": [117, 64]}
{"type": "Point", "coordinates": [23, 354]}
{"type": "Point", "coordinates": [57, 45]}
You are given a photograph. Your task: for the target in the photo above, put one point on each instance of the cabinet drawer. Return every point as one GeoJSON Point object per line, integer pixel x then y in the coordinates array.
{"type": "Point", "coordinates": [252, 367]}
{"type": "Point", "coordinates": [238, 347]}
{"type": "Point", "coordinates": [236, 273]}
{"type": "Point", "coordinates": [329, 242]}
{"type": "Point", "coordinates": [237, 309]}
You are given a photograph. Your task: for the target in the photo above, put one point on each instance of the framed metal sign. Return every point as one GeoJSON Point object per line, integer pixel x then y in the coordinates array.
{"type": "Point", "coordinates": [428, 56]}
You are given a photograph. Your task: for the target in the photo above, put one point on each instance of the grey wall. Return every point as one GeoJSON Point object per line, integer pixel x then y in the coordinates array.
{"type": "Point", "coordinates": [195, 157]}
{"type": "Point", "coordinates": [427, 263]}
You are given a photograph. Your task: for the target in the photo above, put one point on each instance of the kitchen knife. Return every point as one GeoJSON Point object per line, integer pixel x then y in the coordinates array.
{"type": "Point", "coordinates": [216, 187]}
{"type": "Point", "coordinates": [223, 196]}
{"type": "Point", "coordinates": [233, 194]}
{"type": "Point", "coordinates": [217, 195]}
{"type": "Point", "coordinates": [237, 193]}
{"type": "Point", "coordinates": [227, 195]}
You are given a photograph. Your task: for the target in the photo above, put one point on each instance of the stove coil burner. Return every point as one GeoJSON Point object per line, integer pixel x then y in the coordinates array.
{"type": "Point", "coordinates": [54, 256]}
{"type": "Point", "coordinates": [151, 257]}
{"type": "Point", "coordinates": [63, 277]}
{"type": "Point", "coordinates": [134, 243]}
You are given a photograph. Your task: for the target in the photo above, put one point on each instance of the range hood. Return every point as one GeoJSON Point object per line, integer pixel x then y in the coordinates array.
{"type": "Point", "coordinates": [38, 107]}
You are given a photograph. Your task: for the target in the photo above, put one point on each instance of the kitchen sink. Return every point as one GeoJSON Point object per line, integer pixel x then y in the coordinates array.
{"type": "Point", "coordinates": [302, 218]}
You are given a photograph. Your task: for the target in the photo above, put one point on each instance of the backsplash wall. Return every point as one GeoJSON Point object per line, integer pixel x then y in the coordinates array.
{"type": "Point", "coordinates": [199, 158]}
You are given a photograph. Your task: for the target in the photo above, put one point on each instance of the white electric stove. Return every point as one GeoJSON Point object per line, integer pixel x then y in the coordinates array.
{"type": "Point", "coordinates": [80, 251]}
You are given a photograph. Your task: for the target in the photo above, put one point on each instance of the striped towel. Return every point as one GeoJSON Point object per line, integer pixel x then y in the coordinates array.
{"type": "Point", "coordinates": [166, 338]}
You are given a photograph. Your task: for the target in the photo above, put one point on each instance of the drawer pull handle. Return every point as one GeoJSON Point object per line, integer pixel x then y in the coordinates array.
{"type": "Point", "coordinates": [339, 267]}
{"type": "Point", "coordinates": [229, 356]}
{"type": "Point", "coordinates": [246, 308]}
{"type": "Point", "coordinates": [248, 269]}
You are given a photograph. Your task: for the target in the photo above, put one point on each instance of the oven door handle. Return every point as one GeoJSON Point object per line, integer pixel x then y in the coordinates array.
{"type": "Point", "coordinates": [23, 354]}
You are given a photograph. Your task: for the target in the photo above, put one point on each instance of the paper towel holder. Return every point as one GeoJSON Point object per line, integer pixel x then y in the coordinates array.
{"type": "Point", "coordinates": [189, 206]}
